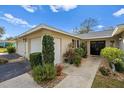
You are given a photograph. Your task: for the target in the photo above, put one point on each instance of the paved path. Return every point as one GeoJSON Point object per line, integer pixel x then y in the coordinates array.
{"type": "Point", "coordinates": [81, 77]}
{"type": "Point", "coordinates": [22, 81]}
{"type": "Point", "coordinates": [11, 70]}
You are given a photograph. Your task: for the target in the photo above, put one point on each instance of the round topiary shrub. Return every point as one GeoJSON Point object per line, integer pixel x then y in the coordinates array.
{"type": "Point", "coordinates": [11, 49]}
{"type": "Point", "coordinates": [119, 65]}
{"type": "Point", "coordinates": [111, 53]}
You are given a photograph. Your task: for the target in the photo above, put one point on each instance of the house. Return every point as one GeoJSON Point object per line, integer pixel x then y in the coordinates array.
{"type": "Point", "coordinates": [5, 43]}
{"type": "Point", "coordinates": [98, 40]}
{"type": "Point", "coordinates": [31, 41]}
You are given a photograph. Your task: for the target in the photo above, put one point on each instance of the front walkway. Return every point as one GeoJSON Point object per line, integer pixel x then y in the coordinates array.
{"type": "Point", "coordinates": [22, 81]}
{"type": "Point", "coordinates": [81, 77]}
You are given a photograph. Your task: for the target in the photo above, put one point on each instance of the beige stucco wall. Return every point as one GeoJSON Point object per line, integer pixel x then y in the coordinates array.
{"type": "Point", "coordinates": [64, 39]}
{"type": "Point", "coordinates": [121, 42]}
{"type": "Point", "coordinates": [107, 43]}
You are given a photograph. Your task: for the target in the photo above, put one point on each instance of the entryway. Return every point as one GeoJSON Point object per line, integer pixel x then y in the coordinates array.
{"type": "Point", "coordinates": [96, 47]}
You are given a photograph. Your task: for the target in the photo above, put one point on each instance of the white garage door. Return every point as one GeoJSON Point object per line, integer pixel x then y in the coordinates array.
{"type": "Point", "coordinates": [57, 51]}
{"type": "Point", "coordinates": [36, 45]}
{"type": "Point", "coordinates": [21, 48]}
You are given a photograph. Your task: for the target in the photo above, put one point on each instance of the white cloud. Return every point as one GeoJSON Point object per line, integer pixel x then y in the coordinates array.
{"type": "Point", "coordinates": [56, 8]}
{"type": "Point", "coordinates": [14, 20]}
{"type": "Point", "coordinates": [100, 26]}
{"type": "Point", "coordinates": [119, 12]}
{"type": "Point", "coordinates": [30, 8]}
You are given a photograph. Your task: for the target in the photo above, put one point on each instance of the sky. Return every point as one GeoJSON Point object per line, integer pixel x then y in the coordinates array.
{"type": "Point", "coordinates": [18, 19]}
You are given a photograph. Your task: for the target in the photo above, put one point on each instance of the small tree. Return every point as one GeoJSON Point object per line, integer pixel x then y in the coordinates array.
{"type": "Point", "coordinates": [86, 26]}
{"type": "Point", "coordinates": [48, 49]}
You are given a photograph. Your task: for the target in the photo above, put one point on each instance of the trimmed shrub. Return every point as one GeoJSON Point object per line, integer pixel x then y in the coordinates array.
{"type": "Point", "coordinates": [11, 49]}
{"type": "Point", "coordinates": [104, 71]}
{"type": "Point", "coordinates": [111, 53]}
{"type": "Point", "coordinates": [36, 59]}
{"type": "Point", "coordinates": [84, 46]}
{"type": "Point", "coordinates": [119, 65]}
{"type": "Point", "coordinates": [59, 68]}
{"type": "Point", "coordinates": [48, 49]}
{"type": "Point", "coordinates": [45, 72]}
{"type": "Point", "coordinates": [80, 51]}
{"type": "Point", "coordinates": [77, 60]}
{"type": "Point", "coordinates": [3, 60]}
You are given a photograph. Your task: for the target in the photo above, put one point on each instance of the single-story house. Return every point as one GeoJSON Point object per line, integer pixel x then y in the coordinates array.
{"type": "Point", "coordinates": [31, 41]}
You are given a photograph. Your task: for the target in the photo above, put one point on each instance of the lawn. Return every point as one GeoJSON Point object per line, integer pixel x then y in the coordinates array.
{"type": "Point", "coordinates": [105, 82]}
{"type": "Point", "coordinates": [3, 50]}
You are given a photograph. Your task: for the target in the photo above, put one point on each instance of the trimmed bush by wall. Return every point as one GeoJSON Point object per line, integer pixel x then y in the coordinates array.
{"type": "Point", "coordinates": [36, 59]}
{"type": "Point", "coordinates": [77, 60]}
{"type": "Point", "coordinates": [80, 51]}
{"type": "Point", "coordinates": [48, 49]}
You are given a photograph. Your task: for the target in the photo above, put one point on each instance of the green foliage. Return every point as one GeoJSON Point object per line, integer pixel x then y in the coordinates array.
{"type": "Point", "coordinates": [36, 59]}
{"type": "Point", "coordinates": [48, 49]}
{"type": "Point", "coordinates": [80, 51]}
{"type": "Point", "coordinates": [45, 72]}
{"type": "Point", "coordinates": [69, 56]}
{"type": "Point", "coordinates": [119, 65]}
{"type": "Point", "coordinates": [3, 60]}
{"type": "Point", "coordinates": [111, 53]}
{"type": "Point", "coordinates": [77, 59]}
{"type": "Point", "coordinates": [84, 46]}
{"type": "Point", "coordinates": [11, 49]}
{"type": "Point", "coordinates": [104, 71]}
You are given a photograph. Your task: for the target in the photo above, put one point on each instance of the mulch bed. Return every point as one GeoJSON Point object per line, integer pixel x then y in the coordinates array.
{"type": "Point", "coordinates": [113, 75]}
{"type": "Point", "coordinates": [51, 83]}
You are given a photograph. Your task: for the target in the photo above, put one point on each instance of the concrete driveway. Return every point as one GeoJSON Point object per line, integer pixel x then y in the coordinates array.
{"type": "Point", "coordinates": [81, 77]}
{"type": "Point", "coordinates": [22, 81]}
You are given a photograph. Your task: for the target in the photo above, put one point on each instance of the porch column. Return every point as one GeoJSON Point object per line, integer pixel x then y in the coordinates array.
{"type": "Point", "coordinates": [88, 48]}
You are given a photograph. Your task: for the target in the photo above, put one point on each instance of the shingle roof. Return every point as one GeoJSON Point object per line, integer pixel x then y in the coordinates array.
{"type": "Point", "coordinates": [95, 35]}
{"type": "Point", "coordinates": [46, 27]}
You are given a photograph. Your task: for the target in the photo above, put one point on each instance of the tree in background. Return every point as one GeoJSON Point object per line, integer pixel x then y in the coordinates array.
{"type": "Point", "coordinates": [2, 31]}
{"type": "Point", "coordinates": [86, 26]}
{"type": "Point", "coordinates": [10, 38]}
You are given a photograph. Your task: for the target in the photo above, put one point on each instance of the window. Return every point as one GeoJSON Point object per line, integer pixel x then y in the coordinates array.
{"type": "Point", "coordinates": [74, 43]}
{"type": "Point", "coordinates": [78, 45]}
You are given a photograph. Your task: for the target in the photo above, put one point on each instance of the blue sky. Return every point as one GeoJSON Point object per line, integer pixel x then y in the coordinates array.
{"type": "Point", "coordinates": [18, 19]}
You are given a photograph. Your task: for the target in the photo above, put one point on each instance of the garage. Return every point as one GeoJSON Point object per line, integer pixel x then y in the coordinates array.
{"type": "Point", "coordinates": [36, 45]}
{"type": "Point", "coordinates": [57, 42]}
{"type": "Point", "coordinates": [96, 47]}
{"type": "Point", "coordinates": [21, 48]}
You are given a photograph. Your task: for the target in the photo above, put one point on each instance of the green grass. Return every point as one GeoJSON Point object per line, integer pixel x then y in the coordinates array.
{"type": "Point", "coordinates": [3, 50]}
{"type": "Point", "coordinates": [103, 82]}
